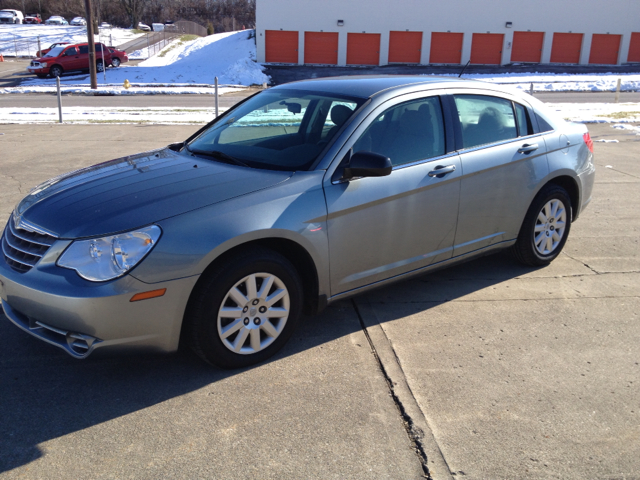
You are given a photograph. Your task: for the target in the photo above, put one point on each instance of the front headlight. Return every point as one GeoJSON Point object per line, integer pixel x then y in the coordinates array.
{"type": "Point", "coordinates": [106, 258]}
{"type": "Point", "coordinates": [43, 64]}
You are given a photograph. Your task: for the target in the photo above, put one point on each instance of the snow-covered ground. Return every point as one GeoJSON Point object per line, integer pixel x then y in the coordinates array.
{"type": "Point", "coordinates": [23, 39]}
{"type": "Point", "coordinates": [181, 67]}
{"type": "Point", "coordinates": [563, 82]}
{"type": "Point", "coordinates": [619, 115]}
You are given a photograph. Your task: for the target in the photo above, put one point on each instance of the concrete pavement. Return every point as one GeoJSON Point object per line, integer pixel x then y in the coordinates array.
{"type": "Point", "coordinates": [487, 370]}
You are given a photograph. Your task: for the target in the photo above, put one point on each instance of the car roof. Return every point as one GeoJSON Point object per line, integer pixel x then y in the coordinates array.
{"type": "Point", "coordinates": [366, 86]}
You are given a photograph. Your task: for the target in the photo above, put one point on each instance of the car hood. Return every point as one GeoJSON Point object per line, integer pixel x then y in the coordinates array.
{"type": "Point", "coordinates": [135, 191]}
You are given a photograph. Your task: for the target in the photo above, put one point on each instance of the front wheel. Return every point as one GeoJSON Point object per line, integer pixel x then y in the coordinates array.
{"type": "Point", "coordinates": [55, 71]}
{"type": "Point", "coordinates": [545, 228]}
{"type": "Point", "coordinates": [244, 310]}
{"type": "Point", "coordinates": [115, 61]}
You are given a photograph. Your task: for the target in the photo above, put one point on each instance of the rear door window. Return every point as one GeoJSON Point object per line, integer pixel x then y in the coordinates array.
{"type": "Point", "coordinates": [485, 119]}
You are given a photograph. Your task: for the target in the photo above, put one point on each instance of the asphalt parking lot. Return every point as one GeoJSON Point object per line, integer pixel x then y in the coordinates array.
{"type": "Point", "coordinates": [488, 370]}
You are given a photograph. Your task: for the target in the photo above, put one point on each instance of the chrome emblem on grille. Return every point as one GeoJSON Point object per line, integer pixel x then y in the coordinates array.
{"type": "Point", "coordinates": [21, 224]}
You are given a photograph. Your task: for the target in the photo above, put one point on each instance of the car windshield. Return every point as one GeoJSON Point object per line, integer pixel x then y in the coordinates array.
{"type": "Point", "coordinates": [6, 14]}
{"type": "Point", "coordinates": [277, 129]}
{"type": "Point", "coordinates": [54, 52]}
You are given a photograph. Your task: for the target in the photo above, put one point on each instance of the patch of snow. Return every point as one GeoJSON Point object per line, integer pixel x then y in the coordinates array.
{"type": "Point", "coordinates": [604, 140]}
{"type": "Point", "coordinates": [228, 56]}
{"type": "Point", "coordinates": [24, 38]}
{"type": "Point", "coordinates": [124, 115]}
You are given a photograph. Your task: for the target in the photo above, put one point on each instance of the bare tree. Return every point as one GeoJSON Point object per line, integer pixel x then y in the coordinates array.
{"type": "Point", "coordinates": [134, 10]}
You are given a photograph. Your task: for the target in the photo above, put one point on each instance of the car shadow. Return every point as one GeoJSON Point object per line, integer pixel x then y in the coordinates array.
{"type": "Point", "coordinates": [45, 394]}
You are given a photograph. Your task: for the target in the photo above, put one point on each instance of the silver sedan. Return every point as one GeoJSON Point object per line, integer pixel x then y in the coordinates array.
{"type": "Point", "coordinates": [301, 195]}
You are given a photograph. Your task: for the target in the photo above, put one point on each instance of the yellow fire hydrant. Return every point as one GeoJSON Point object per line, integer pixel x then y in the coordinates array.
{"type": "Point", "coordinates": [126, 84]}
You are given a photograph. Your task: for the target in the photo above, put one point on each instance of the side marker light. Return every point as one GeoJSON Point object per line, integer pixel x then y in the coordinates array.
{"type": "Point", "coordinates": [147, 295]}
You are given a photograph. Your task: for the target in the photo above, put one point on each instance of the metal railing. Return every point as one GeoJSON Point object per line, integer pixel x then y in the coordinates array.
{"type": "Point", "coordinates": [20, 47]}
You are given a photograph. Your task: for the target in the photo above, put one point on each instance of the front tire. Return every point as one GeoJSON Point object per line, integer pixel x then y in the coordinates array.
{"type": "Point", "coordinates": [245, 310]}
{"type": "Point", "coordinates": [55, 71]}
{"type": "Point", "coordinates": [545, 228]}
{"type": "Point", "coordinates": [115, 61]}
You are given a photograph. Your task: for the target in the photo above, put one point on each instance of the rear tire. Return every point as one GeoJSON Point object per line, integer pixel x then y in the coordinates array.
{"type": "Point", "coordinates": [545, 227]}
{"type": "Point", "coordinates": [244, 310]}
{"type": "Point", "coordinates": [99, 66]}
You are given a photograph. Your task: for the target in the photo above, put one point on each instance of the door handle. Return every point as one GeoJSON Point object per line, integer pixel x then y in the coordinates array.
{"type": "Point", "coordinates": [528, 148]}
{"type": "Point", "coordinates": [440, 171]}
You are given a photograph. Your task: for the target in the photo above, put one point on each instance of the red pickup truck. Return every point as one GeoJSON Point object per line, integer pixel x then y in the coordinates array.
{"type": "Point", "coordinates": [67, 58]}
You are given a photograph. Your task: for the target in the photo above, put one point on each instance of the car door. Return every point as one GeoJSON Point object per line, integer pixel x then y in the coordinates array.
{"type": "Point", "coordinates": [503, 163]}
{"type": "Point", "coordinates": [69, 59]}
{"type": "Point", "coordinates": [83, 57]}
{"type": "Point", "coordinates": [381, 227]}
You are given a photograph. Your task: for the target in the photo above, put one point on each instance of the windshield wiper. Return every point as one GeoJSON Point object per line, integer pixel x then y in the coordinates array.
{"type": "Point", "coordinates": [219, 156]}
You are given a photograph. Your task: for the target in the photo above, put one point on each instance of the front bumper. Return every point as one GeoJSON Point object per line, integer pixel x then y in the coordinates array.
{"type": "Point", "coordinates": [41, 70]}
{"type": "Point", "coordinates": [57, 306]}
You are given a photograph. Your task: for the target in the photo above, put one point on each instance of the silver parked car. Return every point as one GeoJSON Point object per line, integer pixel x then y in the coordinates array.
{"type": "Point", "coordinates": [301, 195]}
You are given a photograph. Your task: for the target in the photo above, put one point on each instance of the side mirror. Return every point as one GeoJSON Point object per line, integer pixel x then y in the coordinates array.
{"type": "Point", "coordinates": [368, 164]}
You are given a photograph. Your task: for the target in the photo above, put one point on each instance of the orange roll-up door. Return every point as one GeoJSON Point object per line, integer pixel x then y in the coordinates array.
{"type": "Point", "coordinates": [566, 47]}
{"type": "Point", "coordinates": [363, 49]}
{"type": "Point", "coordinates": [604, 49]}
{"type": "Point", "coordinates": [634, 48]}
{"type": "Point", "coordinates": [446, 47]}
{"type": "Point", "coordinates": [281, 46]}
{"type": "Point", "coordinates": [486, 48]}
{"type": "Point", "coordinates": [527, 47]}
{"type": "Point", "coordinates": [321, 47]}
{"type": "Point", "coordinates": [405, 47]}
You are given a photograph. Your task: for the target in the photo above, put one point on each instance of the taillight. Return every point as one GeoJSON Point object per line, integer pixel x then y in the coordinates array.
{"type": "Point", "coordinates": [588, 141]}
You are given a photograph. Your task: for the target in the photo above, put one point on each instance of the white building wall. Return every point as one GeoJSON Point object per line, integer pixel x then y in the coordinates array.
{"type": "Point", "coordinates": [466, 16]}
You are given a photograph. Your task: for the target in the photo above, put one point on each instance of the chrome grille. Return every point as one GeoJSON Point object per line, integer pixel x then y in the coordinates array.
{"type": "Point", "coordinates": [22, 249]}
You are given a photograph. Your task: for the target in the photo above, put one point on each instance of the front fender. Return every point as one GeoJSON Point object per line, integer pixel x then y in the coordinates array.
{"type": "Point", "coordinates": [294, 210]}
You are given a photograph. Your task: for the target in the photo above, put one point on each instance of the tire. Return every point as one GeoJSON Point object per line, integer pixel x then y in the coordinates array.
{"type": "Point", "coordinates": [55, 71]}
{"type": "Point", "coordinates": [115, 61]}
{"type": "Point", "coordinates": [545, 228]}
{"type": "Point", "coordinates": [99, 66]}
{"type": "Point", "coordinates": [251, 328]}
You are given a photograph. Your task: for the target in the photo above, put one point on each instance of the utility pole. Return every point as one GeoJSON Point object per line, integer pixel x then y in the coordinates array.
{"type": "Point", "coordinates": [92, 45]}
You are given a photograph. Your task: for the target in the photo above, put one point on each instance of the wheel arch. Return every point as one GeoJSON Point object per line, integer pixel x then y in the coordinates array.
{"type": "Point", "coordinates": [571, 186]}
{"type": "Point", "coordinates": [294, 253]}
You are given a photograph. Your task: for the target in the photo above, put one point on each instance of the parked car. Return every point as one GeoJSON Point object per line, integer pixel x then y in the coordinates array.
{"type": "Point", "coordinates": [67, 59]}
{"type": "Point", "coordinates": [144, 27]}
{"type": "Point", "coordinates": [105, 25]}
{"type": "Point", "coordinates": [44, 51]}
{"type": "Point", "coordinates": [302, 195]}
{"type": "Point", "coordinates": [8, 15]}
{"type": "Point", "coordinates": [33, 19]}
{"type": "Point", "coordinates": [158, 27]}
{"type": "Point", "coordinates": [56, 20]}
{"type": "Point", "coordinates": [78, 21]}
{"type": "Point", "coordinates": [117, 57]}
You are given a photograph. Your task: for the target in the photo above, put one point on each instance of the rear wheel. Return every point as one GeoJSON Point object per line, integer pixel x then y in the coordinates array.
{"type": "Point", "coordinates": [245, 310]}
{"type": "Point", "coordinates": [99, 66]}
{"type": "Point", "coordinates": [545, 228]}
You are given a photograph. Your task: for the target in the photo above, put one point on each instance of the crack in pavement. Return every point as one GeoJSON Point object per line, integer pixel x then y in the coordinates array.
{"type": "Point", "coordinates": [421, 438]}
{"type": "Point", "coordinates": [15, 180]}
{"type": "Point", "coordinates": [580, 261]}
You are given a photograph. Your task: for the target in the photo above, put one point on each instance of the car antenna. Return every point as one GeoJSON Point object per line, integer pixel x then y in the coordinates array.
{"type": "Point", "coordinates": [464, 68]}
